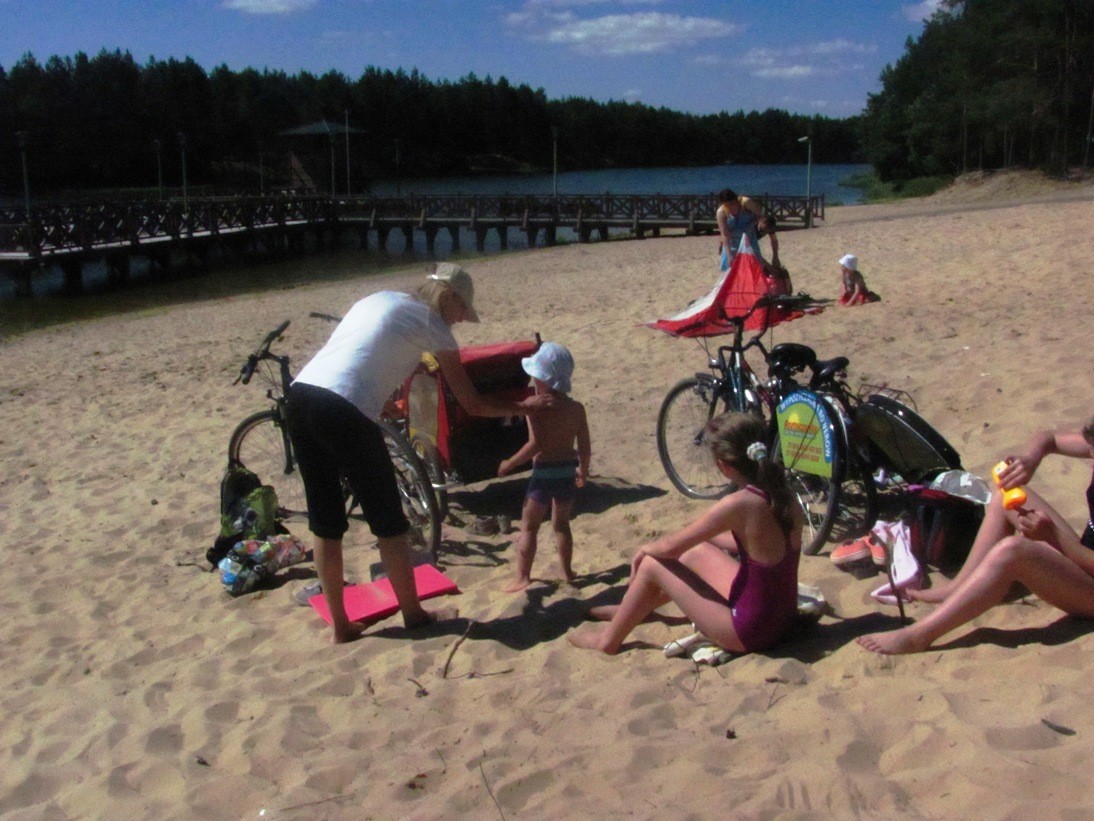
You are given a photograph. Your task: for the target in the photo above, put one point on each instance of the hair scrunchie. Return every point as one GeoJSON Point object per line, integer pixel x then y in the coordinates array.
{"type": "Point", "coordinates": [757, 451]}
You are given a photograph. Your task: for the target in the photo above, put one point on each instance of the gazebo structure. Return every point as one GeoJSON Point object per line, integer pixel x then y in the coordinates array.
{"type": "Point", "coordinates": [331, 130]}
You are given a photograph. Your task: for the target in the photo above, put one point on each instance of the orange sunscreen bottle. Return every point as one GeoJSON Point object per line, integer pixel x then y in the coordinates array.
{"type": "Point", "coordinates": [1013, 498]}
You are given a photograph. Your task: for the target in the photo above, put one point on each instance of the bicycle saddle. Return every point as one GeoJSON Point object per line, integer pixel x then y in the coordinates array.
{"type": "Point", "coordinates": [826, 370]}
{"type": "Point", "coordinates": [791, 357]}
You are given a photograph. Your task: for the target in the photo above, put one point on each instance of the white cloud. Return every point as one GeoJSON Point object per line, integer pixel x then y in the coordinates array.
{"type": "Point", "coordinates": [840, 47]}
{"type": "Point", "coordinates": [559, 4]}
{"type": "Point", "coordinates": [829, 59]}
{"type": "Point", "coordinates": [621, 34]}
{"type": "Point", "coordinates": [269, 6]}
{"type": "Point", "coordinates": [793, 72]}
{"type": "Point", "coordinates": [920, 11]}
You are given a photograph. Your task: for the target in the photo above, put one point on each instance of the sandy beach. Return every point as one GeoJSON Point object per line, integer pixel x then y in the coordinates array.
{"type": "Point", "coordinates": [131, 685]}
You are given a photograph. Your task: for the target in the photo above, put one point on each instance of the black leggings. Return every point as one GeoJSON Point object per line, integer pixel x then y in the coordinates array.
{"type": "Point", "coordinates": [333, 441]}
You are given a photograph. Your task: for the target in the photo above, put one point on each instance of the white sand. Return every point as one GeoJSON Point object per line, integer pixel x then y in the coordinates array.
{"type": "Point", "coordinates": [132, 686]}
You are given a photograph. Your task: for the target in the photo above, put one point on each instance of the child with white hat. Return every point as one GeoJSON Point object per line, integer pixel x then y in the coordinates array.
{"type": "Point", "coordinates": [855, 291]}
{"type": "Point", "coordinates": [558, 445]}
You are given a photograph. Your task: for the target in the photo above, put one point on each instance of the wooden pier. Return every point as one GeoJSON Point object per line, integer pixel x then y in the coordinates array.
{"type": "Point", "coordinates": [161, 231]}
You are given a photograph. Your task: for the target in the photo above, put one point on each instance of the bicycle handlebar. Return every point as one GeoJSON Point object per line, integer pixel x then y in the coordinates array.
{"type": "Point", "coordinates": [261, 352]}
{"type": "Point", "coordinates": [788, 301]}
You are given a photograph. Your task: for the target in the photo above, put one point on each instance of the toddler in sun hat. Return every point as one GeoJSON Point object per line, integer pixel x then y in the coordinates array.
{"type": "Point", "coordinates": [855, 291]}
{"type": "Point", "coordinates": [558, 446]}
{"type": "Point", "coordinates": [552, 364]}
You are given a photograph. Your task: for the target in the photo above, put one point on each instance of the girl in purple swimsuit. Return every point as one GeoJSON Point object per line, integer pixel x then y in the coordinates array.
{"type": "Point", "coordinates": [734, 571]}
{"type": "Point", "coordinates": [1032, 545]}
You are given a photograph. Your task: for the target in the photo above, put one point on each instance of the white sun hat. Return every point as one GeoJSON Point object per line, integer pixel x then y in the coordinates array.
{"type": "Point", "coordinates": [552, 364]}
{"type": "Point", "coordinates": [849, 261]}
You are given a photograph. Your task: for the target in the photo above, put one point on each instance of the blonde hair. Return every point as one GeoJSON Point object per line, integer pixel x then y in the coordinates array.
{"type": "Point", "coordinates": [730, 436]}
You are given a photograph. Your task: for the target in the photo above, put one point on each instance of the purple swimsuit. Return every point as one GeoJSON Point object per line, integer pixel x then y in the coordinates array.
{"type": "Point", "coordinates": [763, 598]}
{"type": "Point", "coordinates": [1088, 533]}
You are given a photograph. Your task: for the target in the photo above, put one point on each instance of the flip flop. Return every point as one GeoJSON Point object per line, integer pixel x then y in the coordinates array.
{"type": "Point", "coordinates": [682, 646]}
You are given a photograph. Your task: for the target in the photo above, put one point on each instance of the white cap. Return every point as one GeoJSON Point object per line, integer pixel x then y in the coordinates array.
{"type": "Point", "coordinates": [459, 281]}
{"type": "Point", "coordinates": [849, 261]}
{"type": "Point", "coordinates": [552, 364]}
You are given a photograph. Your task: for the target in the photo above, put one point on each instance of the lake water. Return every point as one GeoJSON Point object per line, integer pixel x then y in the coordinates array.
{"type": "Point", "coordinates": [787, 180]}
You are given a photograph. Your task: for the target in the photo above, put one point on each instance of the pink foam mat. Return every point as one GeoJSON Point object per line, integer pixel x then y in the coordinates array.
{"type": "Point", "coordinates": [376, 600]}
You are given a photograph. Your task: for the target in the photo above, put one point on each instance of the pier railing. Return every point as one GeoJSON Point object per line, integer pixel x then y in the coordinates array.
{"type": "Point", "coordinates": [59, 230]}
{"type": "Point", "coordinates": [161, 231]}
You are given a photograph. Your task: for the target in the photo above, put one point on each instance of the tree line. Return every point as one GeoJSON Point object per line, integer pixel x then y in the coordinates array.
{"type": "Point", "coordinates": [106, 121]}
{"type": "Point", "coordinates": [989, 84]}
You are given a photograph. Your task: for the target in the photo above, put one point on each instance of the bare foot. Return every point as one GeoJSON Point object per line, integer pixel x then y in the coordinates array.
{"type": "Point", "coordinates": [590, 640]}
{"type": "Point", "coordinates": [606, 612]}
{"type": "Point", "coordinates": [603, 612]}
{"type": "Point", "coordinates": [350, 631]}
{"type": "Point", "coordinates": [428, 617]}
{"type": "Point", "coordinates": [932, 595]}
{"type": "Point", "coordinates": [893, 643]}
{"type": "Point", "coordinates": [516, 585]}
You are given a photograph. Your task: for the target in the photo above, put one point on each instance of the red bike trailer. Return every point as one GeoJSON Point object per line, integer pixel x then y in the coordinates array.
{"type": "Point", "coordinates": [456, 447]}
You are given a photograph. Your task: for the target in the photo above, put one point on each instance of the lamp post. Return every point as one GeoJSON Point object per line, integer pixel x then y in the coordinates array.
{"type": "Point", "coordinates": [397, 186]}
{"type": "Point", "coordinates": [554, 159]}
{"type": "Point", "coordinates": [159, 167]}
{"type": "Point", "coordinates": [808, 181]}
{"type": "Point", "coordinates": [348, 191]}
{"type": "Point", "coordinates": [22, 135]}
{"type": "Point", "coordinates": [261, 171]}
{"type": "Point", "coordinates": [182, 152]}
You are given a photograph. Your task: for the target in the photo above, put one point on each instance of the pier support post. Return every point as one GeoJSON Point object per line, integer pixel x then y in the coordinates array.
{"type": "Point", "coordinates": [381, 237]}
{"type": "Point", "coordinates": [551, 235]}
{"type": "Point", "coordinates": [363, 232]}
{"type": "Point", "coordinates": [602, 231]}
{"type": "Point", "coordinates": [454, 232]}
{"type": "Point", "coordinates": [480, 238]}
{"type": "Point", "coordinates": [72, 271]}
{"type": "Point", "coordinates": [533, 234]}
{"type": "Point", "coordinates": [503, 237]}
{"type": "Point", "coordinates": [408, 234]}
{"type": "Point", "coordinates": [430, 240]}
{"type": "Point", "coordinates": [22, 276]}
{"type": "Point", "coordinates": [117, 269]}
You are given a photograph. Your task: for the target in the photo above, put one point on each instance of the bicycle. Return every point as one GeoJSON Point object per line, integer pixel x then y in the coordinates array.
{"type": "Point", "coordinates": [261, 443]}
{"type": "Point", "coordinates": [830, 440]}
{"type": "Point", "coordinates": [732, 385]}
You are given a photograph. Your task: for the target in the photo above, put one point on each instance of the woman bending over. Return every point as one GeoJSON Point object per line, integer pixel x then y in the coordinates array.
{"type": "Point", "coordinates": [741, 603]}
{"type": "Point", "coordinates": [1032, 545]}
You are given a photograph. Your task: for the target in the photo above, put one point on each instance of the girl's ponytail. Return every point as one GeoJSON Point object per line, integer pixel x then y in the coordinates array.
{"type": "Point", "coordinates": [739, 439]}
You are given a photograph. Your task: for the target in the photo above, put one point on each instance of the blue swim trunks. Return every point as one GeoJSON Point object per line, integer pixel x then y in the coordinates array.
{"type": "Point", "coordinates": [553, 481]}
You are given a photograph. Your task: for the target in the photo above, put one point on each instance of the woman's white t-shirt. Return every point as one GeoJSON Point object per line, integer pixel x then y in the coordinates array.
{"type": "Point", "coordinates": [375, 348]}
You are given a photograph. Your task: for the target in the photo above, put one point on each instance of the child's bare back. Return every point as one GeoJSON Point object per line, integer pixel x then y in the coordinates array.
{"type": "Point", "coordinates": [557, 429]}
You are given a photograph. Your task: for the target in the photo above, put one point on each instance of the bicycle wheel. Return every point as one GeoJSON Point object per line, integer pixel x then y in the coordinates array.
{"type": "Point", "coordinates": [431, 458]}
{"type": "Point", "coordinates": [261, 444]}
{"type": "Point", "coordinates": [416, 490]}
{"type": "Point", "coordinates": [857, 509]}
{"type": "Point", "coordinates": [688, 407]}
{"type": "Point", "coordinates": [819, 500]}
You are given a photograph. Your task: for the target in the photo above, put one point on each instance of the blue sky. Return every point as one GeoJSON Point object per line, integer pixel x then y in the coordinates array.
{"type": "Point", "coordinates": [701, 56]}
